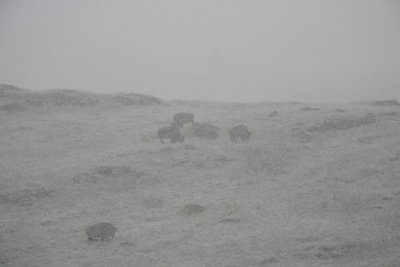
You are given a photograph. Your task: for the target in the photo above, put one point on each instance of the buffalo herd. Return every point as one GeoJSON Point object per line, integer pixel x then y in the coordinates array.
{"type": "Point", "coordinates": [173, 132]}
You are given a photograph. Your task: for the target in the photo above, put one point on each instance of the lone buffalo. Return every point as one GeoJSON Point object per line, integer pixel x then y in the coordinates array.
{"type": "Point", "coordinates": [241, 132]}
{"type": "Point", "coordinates": [100, 232]}
{"type": "Point", "coordinates": [172, 133]}
{"type": "Point", "coordinates": [183, 118]}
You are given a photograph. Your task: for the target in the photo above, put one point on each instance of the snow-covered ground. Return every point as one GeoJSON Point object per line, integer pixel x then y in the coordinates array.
{"type": "Point", "coordinates": [316, 185]}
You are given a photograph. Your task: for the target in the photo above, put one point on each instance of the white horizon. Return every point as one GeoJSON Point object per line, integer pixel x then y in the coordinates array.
{"type": "Point", "coordinates": [225, 51]}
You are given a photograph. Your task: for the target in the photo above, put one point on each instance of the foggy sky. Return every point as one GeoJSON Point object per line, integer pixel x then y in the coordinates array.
{"type": "Point", "coordinates": [224, 50]}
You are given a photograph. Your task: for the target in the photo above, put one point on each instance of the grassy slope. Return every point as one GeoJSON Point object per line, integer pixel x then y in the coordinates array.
{"type": "Point", "coordinates": [300, 193]}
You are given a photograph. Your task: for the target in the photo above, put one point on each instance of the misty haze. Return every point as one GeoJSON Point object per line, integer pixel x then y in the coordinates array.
{"type": "Point", "coordinates": [200, 133]}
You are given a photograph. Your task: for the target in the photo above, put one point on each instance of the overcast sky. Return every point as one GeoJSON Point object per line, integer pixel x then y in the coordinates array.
{"type": "Point", "coordinates": [226, 50]}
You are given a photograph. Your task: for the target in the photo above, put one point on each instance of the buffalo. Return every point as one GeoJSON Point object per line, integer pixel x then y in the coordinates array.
{"type": "Point", "coordinates": [172, 133]}
{"type": "Point", "coordinates": [205, 130]}
{"type": "Point", "coordinates": [183, 118]}
{"type": "Point", "coordinates": [241, 132]}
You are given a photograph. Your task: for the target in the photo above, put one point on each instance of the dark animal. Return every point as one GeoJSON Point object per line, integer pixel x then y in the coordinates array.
{"type": "Point", "coordinates": [241, 132]}
{"type": "Point", "coordinates": [183, 118]}
{"type": "Point", "coordinates": [172, 133]}
{"type": "Point", "coordinates": [205, 130]}
{"type": "Point", "coordinates": [100, 231]}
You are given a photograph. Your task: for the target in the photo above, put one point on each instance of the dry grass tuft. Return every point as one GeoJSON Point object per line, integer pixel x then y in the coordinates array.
{"type": "Point", "coordinates": [309, 109]}
{"type": "Point", "coordinates": [24, 197]}
{"type": "Point", "coordinates": [12, 107]}
{"type": "Point", "coordinates": [390, 102]}
{"type": "Point", "coordinates": [107, 172]}
{"type": "Point", "coordinates": [192, 209]}
{"type": "Point", "coordinates": [333, 124]}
